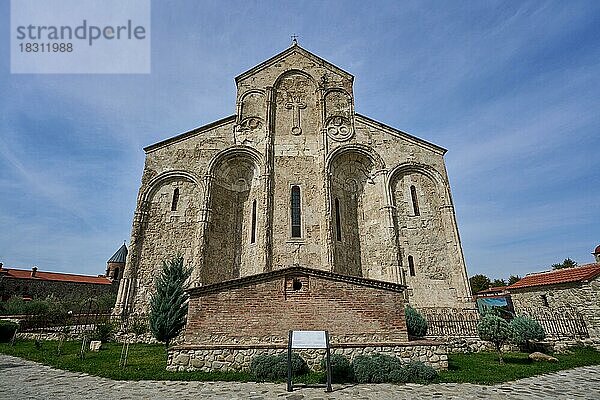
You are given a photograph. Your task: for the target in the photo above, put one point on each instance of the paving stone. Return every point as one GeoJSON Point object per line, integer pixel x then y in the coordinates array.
{"type": "Point", "coordinates": [45, 383]}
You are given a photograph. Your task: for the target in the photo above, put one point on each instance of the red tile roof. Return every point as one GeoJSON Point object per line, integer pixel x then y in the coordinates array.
{"type": "Point", "coordinates": [54, 276]}
{"type": "Point", "coordinates": [493, 289]}
{"type": "Point", "coordinates": [565, 275]}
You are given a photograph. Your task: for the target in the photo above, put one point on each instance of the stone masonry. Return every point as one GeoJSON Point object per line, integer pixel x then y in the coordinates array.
{"type": "Point", "coordinates": [583, 297]}
{"type": "Point", "coordinates": [190, 358]}
{"type": "Point", "coordinates": [297, 177]}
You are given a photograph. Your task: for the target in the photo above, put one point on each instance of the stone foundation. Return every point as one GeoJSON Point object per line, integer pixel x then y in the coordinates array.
{"type": "Point", "coordinates": [237, 358]}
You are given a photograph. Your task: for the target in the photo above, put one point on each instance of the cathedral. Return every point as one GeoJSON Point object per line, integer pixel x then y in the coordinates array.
{"type": "Point", "coordinates": [298, 180]}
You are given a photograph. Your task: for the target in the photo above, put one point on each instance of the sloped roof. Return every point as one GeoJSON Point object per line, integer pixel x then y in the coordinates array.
{"type": "Point", "coordinates": [294, 48]}
{"type": "Point", "coordinates": [191, 133]}
{"type": "Point", "coordinates": [120, 256]}
{"type": "Point", "coordinates": [268, 276]}
{"type": "Point", "coordinates": [54, 276]}
{"type": "Point", "coordinates": [394, 131]}
{"type": "Point", "coordinates": [493, 289]}
{"type": "Point", "coordinates": [565, 275]}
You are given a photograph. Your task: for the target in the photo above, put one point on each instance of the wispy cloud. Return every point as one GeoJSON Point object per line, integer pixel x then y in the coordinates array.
{"type": "Point", "coordinates": [510, 89]}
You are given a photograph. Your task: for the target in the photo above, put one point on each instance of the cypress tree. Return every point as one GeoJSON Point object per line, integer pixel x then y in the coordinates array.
{"type": "Point", "coordinates": [168, 304]}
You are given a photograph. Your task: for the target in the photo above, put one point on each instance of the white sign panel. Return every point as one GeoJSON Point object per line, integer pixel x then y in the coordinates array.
{"type": "Point", "coordinates": [309, 340]}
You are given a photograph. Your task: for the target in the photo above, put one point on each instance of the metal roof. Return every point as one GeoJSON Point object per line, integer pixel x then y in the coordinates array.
{"type": "Point", "coordinates": [120, 256]}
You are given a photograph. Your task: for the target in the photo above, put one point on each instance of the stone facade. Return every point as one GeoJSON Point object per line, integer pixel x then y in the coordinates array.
{"type": "Point", "coordinates": [583, 297]}
{"type": "Point", "coordinates": [297, 177]}
{"type": "Point", "coordinates": [194, 358]}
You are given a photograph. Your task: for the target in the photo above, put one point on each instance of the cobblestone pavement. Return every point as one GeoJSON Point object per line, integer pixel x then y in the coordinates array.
{"type": "Point", "coordinates": [22, 379]}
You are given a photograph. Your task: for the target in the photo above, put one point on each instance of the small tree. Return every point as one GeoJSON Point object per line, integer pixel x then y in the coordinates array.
{"type": "Point", "coordinates": [513, 279]}
{"type": "Point", "coordinates": [498, 282]}
{"type": "Point", "coordinates": [567, 263]}
{"type": "Point", "coordinates": [416, 324]}
{"type": "Point", "coordinates": [479, 282]}
{"type": "Point", "coordinates": [168, 304]}
{"type": "Point", "coordinates": [494, 329]}
{"type": "Point", "coordinates": [525, 329]}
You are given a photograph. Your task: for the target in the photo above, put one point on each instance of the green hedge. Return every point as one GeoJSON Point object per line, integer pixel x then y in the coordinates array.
{"type": "Point", "coordinates": [381, 368]}
{"type": "Point", "coordinates": [341, 369]}
{"type": "Point", "coordinates": [274, 367]}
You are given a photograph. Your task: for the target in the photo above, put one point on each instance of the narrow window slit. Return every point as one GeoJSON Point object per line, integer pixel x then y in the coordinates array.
{"type": "Point", "coordinates": [175, 199]}
{"type": "Point", "coordinates": [338, 221]}
{"type": "Point", "coordinates": [296, 212]}
{"type": "Point", "coordinates": [415, 200]}
{"type": "Point", "coordinates": [253, 232]}
{"type": "Point", "coordinates": [411, 266]}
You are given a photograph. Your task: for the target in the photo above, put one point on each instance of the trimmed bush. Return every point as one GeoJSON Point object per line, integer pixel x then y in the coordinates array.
{"type": "Point", "coordinates": [375, 368]}
{"type": "Point", "coordinates": [415, 323]}
{"type": "Point", "coordinates": [274, 367]}
{"type": "Point", "coordinates": [341, 369]}
{"type": "Point", "coordinates": [416, 371]}
{"type": "Point", "coordinates": [494, 329]}
{"type": "Point", "coordinates": [380, 368]}
{"type": "Point", "coordinates": [7, 330]}
{"type": "Point", "coordinates": [525, 329]}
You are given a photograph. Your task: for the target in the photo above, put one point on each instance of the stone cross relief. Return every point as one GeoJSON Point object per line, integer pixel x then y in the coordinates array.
{"type": "Point", "coordinates": [296, 104]}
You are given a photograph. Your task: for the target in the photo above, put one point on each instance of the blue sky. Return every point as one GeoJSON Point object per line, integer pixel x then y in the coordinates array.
{"type": "Point", "coordinates": [511, 89]}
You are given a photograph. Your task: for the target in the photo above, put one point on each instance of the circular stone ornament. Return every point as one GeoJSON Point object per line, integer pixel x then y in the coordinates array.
{"type": "Point", "coordinates": [338, 128]}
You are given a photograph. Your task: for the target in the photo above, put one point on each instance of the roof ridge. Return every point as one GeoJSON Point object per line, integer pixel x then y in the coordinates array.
{"type": "Point", "coordinates": [215, 287]}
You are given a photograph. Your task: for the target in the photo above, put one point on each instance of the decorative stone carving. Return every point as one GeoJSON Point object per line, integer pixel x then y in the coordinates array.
{"type": "Point", "coordinates": [338, 128]}
{"type": "Point", "coordinates": [338, 114]}
{"type": "Point", "coordinates": [250, 124]}
{"type": "Point", "coordinates": [296, 104]}
{"type": "Point", "coordinates": [293, 91]}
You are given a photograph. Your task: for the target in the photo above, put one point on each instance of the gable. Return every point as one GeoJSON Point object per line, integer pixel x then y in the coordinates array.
{"type": "Point", "coordinates": [292, 52]}
{"type": "Point", "coordinates": [292, 271]}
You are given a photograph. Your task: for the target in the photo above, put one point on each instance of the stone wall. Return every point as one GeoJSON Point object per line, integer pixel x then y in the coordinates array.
{"type": "Point", "coordinates": [65, 291]}
{"type": "Point", "coordinates": [237, 358]}
{"type": "Point", "coordinates": [582, 297]}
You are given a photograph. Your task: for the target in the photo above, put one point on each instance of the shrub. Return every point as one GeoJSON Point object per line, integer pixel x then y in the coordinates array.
{"type": "Point", "coordinates": [7, 330]}
{"type": "Point", "coordinates": [341, 369]}
{"type": "Point", "coordinates": [415, 323]}
{"type": "Point", "coordinates": [416, 371]}
{"type": "Point", "coordinates": [274, 367]}
{"type": "Point", "coordinates": [18, 306]}
{"type": "Point", "coordinates": [525, 329]}
{"type": "Point", "coordinates": [494, 329]}
{"type": "Point", "coordinates": [375, 368]}
{"type": "Point", "coordinates": [380, 368]}
{"type": "Point", "coordinates": [104, 332]}
{"type": "Point", "coordinates": [139, 326]}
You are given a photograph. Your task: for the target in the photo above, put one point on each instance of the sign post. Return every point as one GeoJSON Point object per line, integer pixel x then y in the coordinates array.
{"type": "Point", "coordinates": [309, 340]}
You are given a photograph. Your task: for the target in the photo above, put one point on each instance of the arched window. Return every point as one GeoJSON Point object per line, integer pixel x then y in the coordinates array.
{"type": "Point", "coordinates": [175, 199]}
{"type": "Point", "coordinates": [411, 266]}
{"type": "Point", "coordinates": [253, 232]}
{"type": "Point", "coordinates": [415, 200]}
{"type": "Point", "coordinates": [296, 212]}
{"type": "Point", "coordinates": [338, 221]}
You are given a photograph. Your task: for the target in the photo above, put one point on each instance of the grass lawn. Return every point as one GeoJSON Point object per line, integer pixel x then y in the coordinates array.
{"type": "Point", "coordinates": [484, 368]}
{"type": "Point", "coordinates": [148, 362]}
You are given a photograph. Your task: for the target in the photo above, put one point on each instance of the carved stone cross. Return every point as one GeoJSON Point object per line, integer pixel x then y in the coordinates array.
{"type": "Point", "coordinates": [296, 105]}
